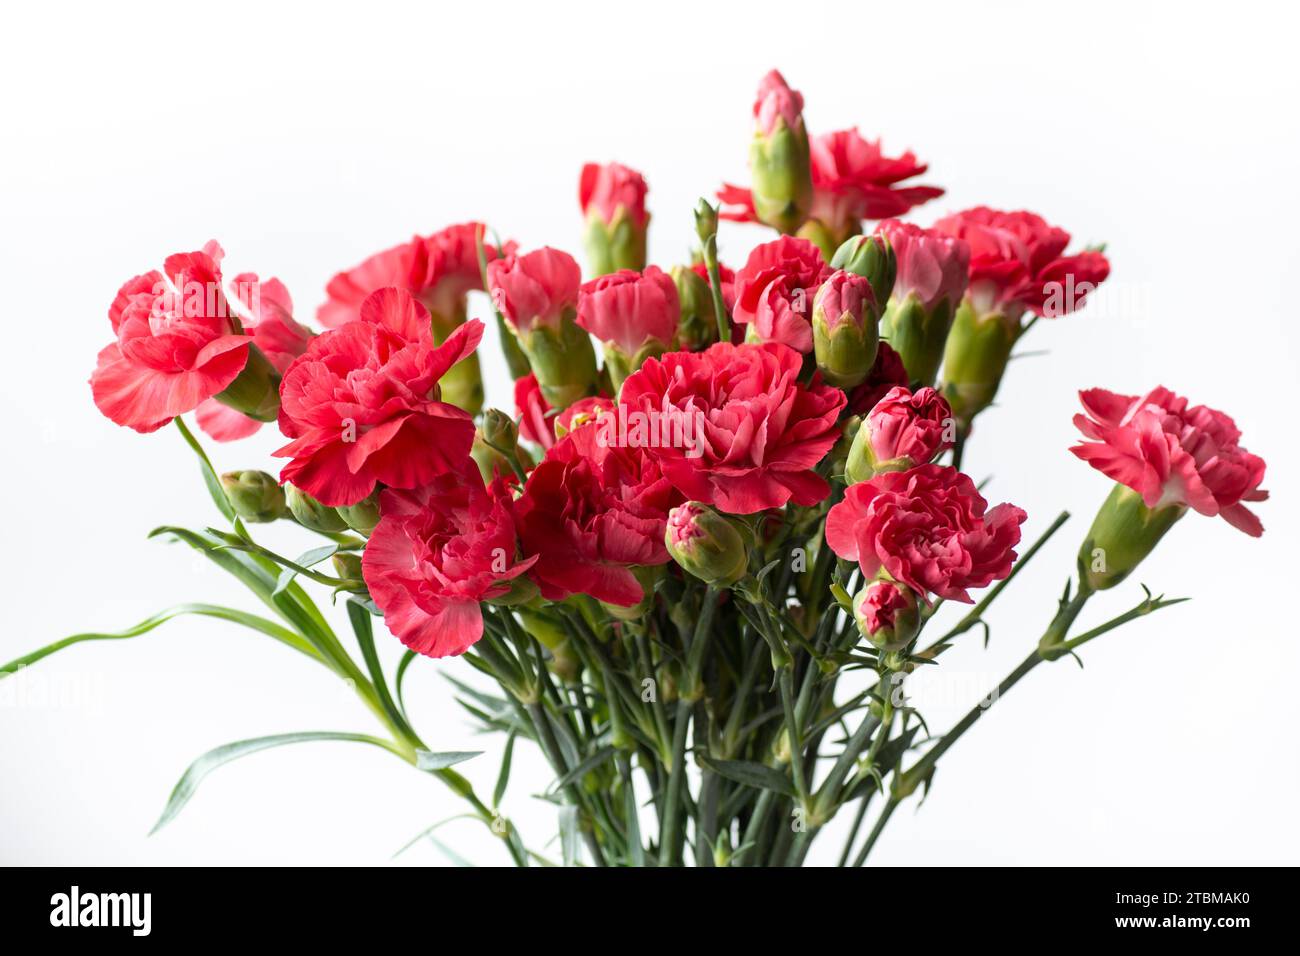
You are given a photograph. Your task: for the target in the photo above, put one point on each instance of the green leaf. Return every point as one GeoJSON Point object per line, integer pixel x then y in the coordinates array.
{"type": "Point", "coordinates": [213, 759]}
{"type": "Point", "coordinates": [361, 626]}
{"type": "Point", "coordinates": [503, 778]}
{"type": "Point", "coordinates": [752, 774]}
{"type": "Point", "coordinates": [428, 831]}
{"type": "Point", "coordinates": [209, 473]}
{"type": "Point", "coordinates": [307, 559]}
{"type": "Point", "coordinates": [570, 841]}
{"type": "Point", "coordinates": [428, 760]}
{"type": "Point", "coordinates": [402, 665]}
{"type": "Point", "coordinates": [583, 768]}
{"type": "Point", "coordinates": [269, 628]}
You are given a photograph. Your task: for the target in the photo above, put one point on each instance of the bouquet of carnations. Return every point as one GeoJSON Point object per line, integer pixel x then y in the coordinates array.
{"type": "Point", "coordinates": [698, 564]}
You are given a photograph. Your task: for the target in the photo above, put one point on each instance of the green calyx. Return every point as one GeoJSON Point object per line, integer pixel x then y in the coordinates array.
{"type": "Point", "coordinates": [619, 244]}
{"type": "Point", "coordinates": [1124, 532]}
{"type": "Point", "coordinates": [918, 335]}
{"type": "Point", "coordinates": [975, 358]}
{"type": "Point", "coordinates": [782, 177]}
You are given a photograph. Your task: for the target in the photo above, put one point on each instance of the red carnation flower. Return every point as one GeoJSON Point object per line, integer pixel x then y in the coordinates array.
{"type": "Point", "coordinates": [932, 266]}
{"type": "Point", "coordinates": [361, 404]}
{"type": "Point", "coordinates": [1172, 453]}
{"type": "Point", "coordinates": [268, 316]}
{"type": "Point", "coordinates": [439, 270]}
{"type": "Point", "coordinates": [438, 551]}
{"type": "Point", "coordinates": [178, 344]}
{"type": "Point", "coordinates": [912, 425]}
{"type": "Point", "coordinates": [591, 512]}
{"type": "Point", "coordinates": [775, 291]}
{"type": "Point", "coordinates": [536, 288]}
{"type": "Point", "coordinates": [534, 412]}
{"type": "Point", "coordinates": [731, 426]}
{"type": "Point", "coordinates": [928, 529]}
{"type": "Point", "coordinates": [630, 309]}
{"type": "Point", "coordinates": [1016, 263]}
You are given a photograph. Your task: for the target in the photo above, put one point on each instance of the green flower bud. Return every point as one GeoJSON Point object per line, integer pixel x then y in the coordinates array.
{"type": "Point", "coordinates": [311, 514]}
{"type": "Point", "coordinates": [887, 614]}
{"type": "Point", "coordinates": [975, 358]}
{"type": "Point", "coordinates": [706, 220]}
{"type": "Point", "coordinates": [255, 392]}
{"type": "Point", "coordinates": [362, 516]}
{"type": "Point", "coordinates": [698, 326]}
{"type": "Point", "coordinates": [918, 335]}
{"type": "Point", "coordinates": [707, 544]}
{"type": "Point", "coordinates": [500, 430]}
{"type": "Point", "coordinates": [1124, 532]}
{"type": "Point", "coordinates": [782, 177]}
{"type": "Point", "coordinates": [254, 495]}
{"type": "Point", "coordinates": [845, 329]}
{"type": "Point", "coordinates": [347, 565]}
{"type": "Point", "coordinates": [871, 257]}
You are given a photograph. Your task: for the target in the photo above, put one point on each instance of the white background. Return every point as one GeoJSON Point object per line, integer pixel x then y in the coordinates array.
{"type": "Point", "coordinates": [305, 137]}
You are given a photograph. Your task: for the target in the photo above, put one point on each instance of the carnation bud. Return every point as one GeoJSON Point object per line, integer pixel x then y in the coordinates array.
{"type": "Point", "coordinates": [871, 257]}
{"type": "Point", "coordinates": [537, 294]}
{"type": "Point", "coordinates": [887, 615]}
{"type": "Point", "coordinates": [706, 544]}
{"type": "Point", "coordinates": [613, 200]}
{"type": "Point", "coordinates": [500, 430]}
{"type": "Point", "coordinates": [779, 158]}
{"type": "Point", "coordinates": [311, 514]}
{"type": "Point", "coordinates": [698, 327]}
{"type": "Point", "coordinates": [347, 565]}
{"type": "Point", "coordinates": [845, 329]}
{"type": "Point", "coordinates": [255, 392]}
{"type": "Point", "coordinates": [901, 431]}
{"type": "Point", "coordinates": [1124, 532]}
{"type": "Point", "coordinates": [975, 358]}
{"type": "Point", "coordinates": [254, 495]}
{"type": "Point", "coordinates": [362, 516]}
{"type": "Point", "coordinates": [930, 281]}
{"type": "Point", "coordinates": [706, 220]}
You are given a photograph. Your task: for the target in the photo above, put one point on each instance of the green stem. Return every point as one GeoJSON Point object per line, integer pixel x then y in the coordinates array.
{"type": "Point", "coordinates": [885, 814]}
{"type": "Point", "coordinates": [674, 831]}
